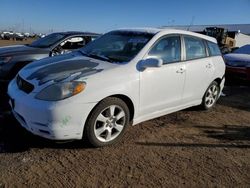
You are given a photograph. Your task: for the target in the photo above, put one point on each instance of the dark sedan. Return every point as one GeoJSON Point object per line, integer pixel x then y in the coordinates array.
{"type": "Point", "coordinates": [238, 64]}
{"type": "Point", "coordinates": [13, 58]}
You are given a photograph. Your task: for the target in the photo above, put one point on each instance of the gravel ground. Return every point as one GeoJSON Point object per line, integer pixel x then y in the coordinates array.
{"type": "Point", "coordinates": [190, 148]}
{"type": "Point", "coordinates": [13, 42]}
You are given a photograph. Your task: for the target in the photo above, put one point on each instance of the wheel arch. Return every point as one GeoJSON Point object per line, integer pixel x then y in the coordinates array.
{"type": "Point", "coordinates": [128, 102]}
{"type": "Point", "coordinates": [125, 99]}
{"type": "Point", "coordinates": [218, 80]}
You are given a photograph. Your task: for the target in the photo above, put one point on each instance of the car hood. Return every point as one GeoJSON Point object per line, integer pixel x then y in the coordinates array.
{"type": "Point", "coordinates": [67, 67]}
{"type": "Point", "coordinates": [21, 50]}
{"type": "Point", "coordinates": [237, 57]}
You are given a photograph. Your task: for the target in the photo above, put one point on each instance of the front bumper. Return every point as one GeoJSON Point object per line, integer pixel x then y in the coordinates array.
{"type": "Point", "coordinates": [238, 72]}
{"type": "Point", "coordinates": [62, 120]}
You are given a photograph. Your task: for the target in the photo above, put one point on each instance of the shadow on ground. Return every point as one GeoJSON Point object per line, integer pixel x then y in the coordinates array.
{"type": "Point", "coordinates": [237, 95]}
{"type": "Point", "coordinates": [193, 145]}
{"type": "Point", "coordinates": [226, 133]}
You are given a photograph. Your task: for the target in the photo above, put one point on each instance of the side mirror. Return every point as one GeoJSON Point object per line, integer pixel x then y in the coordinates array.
{"type": "Point", "coordinates": [151, 62]}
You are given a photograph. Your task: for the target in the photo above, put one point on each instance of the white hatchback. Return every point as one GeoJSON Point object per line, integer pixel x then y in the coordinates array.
{"type": "Point", "coordinates": [125, 76]}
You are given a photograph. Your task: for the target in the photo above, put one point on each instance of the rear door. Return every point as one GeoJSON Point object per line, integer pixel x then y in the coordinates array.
{"type": "Point", "coordinates": [199, 69]}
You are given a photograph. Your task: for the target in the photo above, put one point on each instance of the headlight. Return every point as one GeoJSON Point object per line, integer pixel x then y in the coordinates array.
{"type": "Point", "coordinates": [61, 91]}
{"type": "Point", "coordinates": [4, 60]}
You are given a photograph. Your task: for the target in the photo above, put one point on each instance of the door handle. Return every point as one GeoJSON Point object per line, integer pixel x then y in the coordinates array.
{"type": "Point", "coordinates": [181, 70]}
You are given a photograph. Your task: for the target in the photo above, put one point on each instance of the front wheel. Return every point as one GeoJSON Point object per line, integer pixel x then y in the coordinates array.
{"type": "Point", "coordinates": [107, 122]}
{"type": "Point", "coordinates": [211, 95]}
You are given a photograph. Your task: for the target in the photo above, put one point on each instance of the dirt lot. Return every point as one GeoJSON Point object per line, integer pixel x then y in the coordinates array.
{"type": "Point", "coordinates": [190, 148]}
{"type": "Point", "coordinates": [12, 42]}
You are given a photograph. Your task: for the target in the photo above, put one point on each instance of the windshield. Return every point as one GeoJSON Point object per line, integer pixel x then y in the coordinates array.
{"type": "Point", "coordinates": [47, 41]}
{"type": "Point", "coordinates": [117, 46]}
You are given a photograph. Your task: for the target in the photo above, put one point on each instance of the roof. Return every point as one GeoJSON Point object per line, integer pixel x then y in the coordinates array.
{"type": "Point", "coordinates": [243, 28]}
{"type": "Point", "coordinates": [165, 31]}
{"type": "Point", "coordinates": [78, 33]}
{"type": "Point", "coordinates": [142, 29]}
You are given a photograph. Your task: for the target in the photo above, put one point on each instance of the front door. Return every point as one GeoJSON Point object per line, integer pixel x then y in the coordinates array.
{"type": "Point", "coordinates": [161, 88]}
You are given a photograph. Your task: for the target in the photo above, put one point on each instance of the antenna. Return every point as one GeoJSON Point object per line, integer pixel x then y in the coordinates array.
{"type": "Point", "coordinates": [23, 25]}
{"type": "Point", "coordinates": [191, 23]}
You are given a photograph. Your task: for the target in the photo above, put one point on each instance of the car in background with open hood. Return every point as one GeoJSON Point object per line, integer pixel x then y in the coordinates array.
{"type": "Point", "coordinates": [13, 58]}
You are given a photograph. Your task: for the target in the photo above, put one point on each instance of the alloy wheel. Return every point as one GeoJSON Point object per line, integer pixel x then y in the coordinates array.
{"type": "Point", "coordinates": [211, 96]}
{"type": "Point", "coordinates": [109, 123]}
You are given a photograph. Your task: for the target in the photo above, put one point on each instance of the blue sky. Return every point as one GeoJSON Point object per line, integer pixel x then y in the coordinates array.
{"type": "Point", "coordinates": [105, 15]}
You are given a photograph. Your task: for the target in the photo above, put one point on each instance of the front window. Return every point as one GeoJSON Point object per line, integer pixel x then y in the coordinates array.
{"type": "Point", "coordinates": [47, 41]}
{"type": "Point", "coordinates": [168, 49]}
{"type": "Point", "coordinates": [117, 46]}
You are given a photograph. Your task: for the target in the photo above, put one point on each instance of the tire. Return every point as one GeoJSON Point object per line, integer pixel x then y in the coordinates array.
{"type": "Point", "coordinates": [211, 96]}
{"type": "Point", "coordinates": [107, 122]}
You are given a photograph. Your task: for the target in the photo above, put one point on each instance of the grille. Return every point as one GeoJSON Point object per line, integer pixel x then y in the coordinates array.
{"type": "Point", "coordinates": [24, 85]}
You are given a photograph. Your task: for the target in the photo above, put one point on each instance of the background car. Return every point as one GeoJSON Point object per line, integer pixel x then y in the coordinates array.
{"type": "Point", "coordinates": [238, 64]}
{"type": "Point", "coordinates": [19, 36]}
{"type": "Point", "coordinates": [127, 75]}
{"type": "Point", "coordinates": [7, 35]}
{"type": "Point", "coordinates": [27, 35]}
{"type": "Point", "coordinates": [13, 58]}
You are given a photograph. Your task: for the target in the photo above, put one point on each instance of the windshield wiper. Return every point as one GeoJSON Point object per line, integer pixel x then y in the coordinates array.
{"type": "Point", "coordinates": [83, 53]}
{"type": "Point", "coordinates": [95, 56]}
{"type": "Point", "coordinates": [101, 57]}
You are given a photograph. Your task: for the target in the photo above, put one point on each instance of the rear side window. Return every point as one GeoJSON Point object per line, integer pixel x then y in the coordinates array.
{"type": "Point", "coordinates": [195, 48]}
{"type": "Point", "coordinates": [168, 49]}
{"type": "Point", "coordinates": [94, 37]}
{"type": "Point", "coordinates": [213, 49]}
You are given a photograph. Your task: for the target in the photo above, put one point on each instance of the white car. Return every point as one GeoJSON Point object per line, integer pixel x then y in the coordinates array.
{"type": "Point", "coordinates": [126, 76]}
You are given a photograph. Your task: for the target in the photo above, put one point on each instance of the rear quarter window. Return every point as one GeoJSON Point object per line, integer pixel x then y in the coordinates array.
{"type": "Point", "coordinates": [213, 49]}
